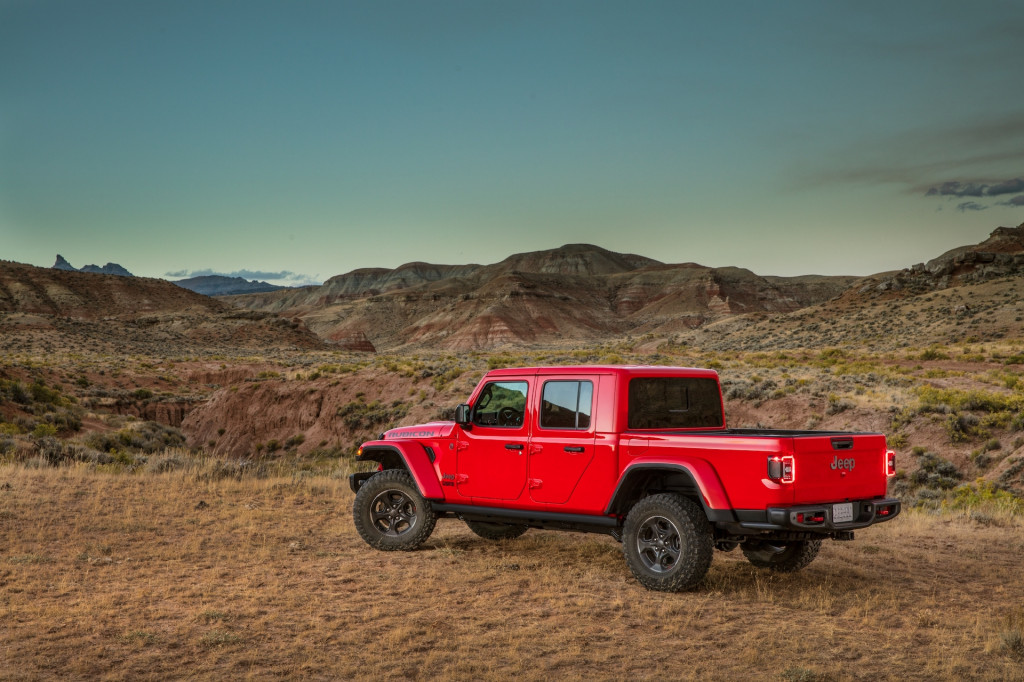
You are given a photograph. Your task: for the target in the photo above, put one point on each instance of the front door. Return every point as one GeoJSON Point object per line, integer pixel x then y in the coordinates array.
{"type": "Point", "coordinates": [493, 454]}
{"type": "Point", "coordinates": [562, 445]}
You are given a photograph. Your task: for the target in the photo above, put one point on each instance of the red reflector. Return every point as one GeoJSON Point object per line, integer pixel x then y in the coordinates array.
{"type": "Point", "coordinates": [799, 518]}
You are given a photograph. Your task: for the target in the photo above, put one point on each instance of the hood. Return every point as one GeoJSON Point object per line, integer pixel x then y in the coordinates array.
{"type": "Point", "coordinates": [418, 431]}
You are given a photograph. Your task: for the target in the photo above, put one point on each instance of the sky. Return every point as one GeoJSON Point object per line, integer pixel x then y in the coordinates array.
{"type": "Point", "coordinates": [294, 141]}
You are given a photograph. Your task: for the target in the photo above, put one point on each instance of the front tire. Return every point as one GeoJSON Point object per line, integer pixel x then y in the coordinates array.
{"type": "Point", "coordinates": [781, 557]}
{"type": "Point", "coordinates": [497, 531]}
{"type": "Point", "coordinates": [390, 514]}
{"type": "Point", "coordinates": [667, 542]}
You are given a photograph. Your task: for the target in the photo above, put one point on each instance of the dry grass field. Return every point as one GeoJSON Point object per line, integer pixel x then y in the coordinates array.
{"type": "Point", "coordinates": [188, 574]}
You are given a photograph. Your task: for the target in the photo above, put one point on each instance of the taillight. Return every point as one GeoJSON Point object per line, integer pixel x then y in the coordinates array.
{"type": "Point", "coordinates": [890, 463]}
{"type": "Point", "coordinates": [782, 469]}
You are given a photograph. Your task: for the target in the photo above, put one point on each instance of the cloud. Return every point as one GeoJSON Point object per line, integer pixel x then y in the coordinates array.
{"type": "Point", "coordinates": [955, 188]}
{"type": "Point", "coordinates": [1013, 201]}
{"type": "Point", "coordinates": [1006, 187]}
{"type": "Point", "coordinates": [970, 206]}
{"type": "Point", "coordinates": [283, 277]}
{"type": "Point", "coordinates": [920, 159]}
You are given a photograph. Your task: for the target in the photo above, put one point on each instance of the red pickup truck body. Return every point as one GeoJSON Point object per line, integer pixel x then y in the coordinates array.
{"type": "Point", "coordinates": [578, 447]}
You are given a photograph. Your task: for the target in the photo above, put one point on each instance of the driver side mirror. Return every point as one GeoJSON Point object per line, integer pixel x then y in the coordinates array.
{"type": "Point", "coordinates": [463, 415]}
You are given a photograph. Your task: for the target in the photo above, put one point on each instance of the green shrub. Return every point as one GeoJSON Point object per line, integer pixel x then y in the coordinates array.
{"type": "Point", "coordinates": [983, 493]}
{"type": "Point", "coordinates": [933, 353]}
{"type": "Point", "coordinates": [18, 393]}
{"type": "Point", "coordinates": [837, 405]}
{"type": "Point", "coordinates": [42, 394]}
{"type": "Point", "coordinates": [146, 437]}
{"type": "Point", "coordinates": [358, 414]}
{"type": "Point", "coordinates": [974, 400]}
{"type": "Point", "coordinates": [445, 377]}
{"type": "Point", "coordinates": [961, 427]}
{"type": "Point", "coordinates": [936, 473]}
{"type": "Point", "coordinates": [8, 429]}
{"type": "Point", "coordinates": [898, 441]}
{"type": "Point", "coordinates": [44, 430]}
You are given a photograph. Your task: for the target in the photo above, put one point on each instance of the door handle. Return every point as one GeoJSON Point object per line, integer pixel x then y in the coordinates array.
{"type": "Point", "coordinates": [577, 448]}
{"type": "Point", "coordinates": [513, 446]}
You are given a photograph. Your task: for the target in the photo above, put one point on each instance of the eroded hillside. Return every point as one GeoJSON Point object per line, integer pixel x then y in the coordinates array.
{"type": "Point", "coordinates": [579, 293]}
{"type": "Point", "coordinates": [51, 310]}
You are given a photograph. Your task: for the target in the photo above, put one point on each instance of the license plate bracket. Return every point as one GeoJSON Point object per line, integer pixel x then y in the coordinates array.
{"type": "Point", "coordinates": [842, 513]}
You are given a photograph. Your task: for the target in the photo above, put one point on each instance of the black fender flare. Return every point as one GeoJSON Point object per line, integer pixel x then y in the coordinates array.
{"type": "Point", "coordinates": [709, 489]}
{"type": "Point", "coordinates": [410, 455]}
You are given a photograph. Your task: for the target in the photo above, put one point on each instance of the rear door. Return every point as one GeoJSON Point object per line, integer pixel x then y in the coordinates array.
{"type": "Point", "coordinates": [839, 467]}
{"type": "Point", "coordinates": [562, 443]}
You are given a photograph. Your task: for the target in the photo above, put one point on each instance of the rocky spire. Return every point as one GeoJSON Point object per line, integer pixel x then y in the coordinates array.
{"type": "Point", "coordinates": [62, 264]}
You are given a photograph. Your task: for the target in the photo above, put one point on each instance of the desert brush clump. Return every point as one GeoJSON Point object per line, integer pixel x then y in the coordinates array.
{"type": "Point", "coordinates": [358, 414]}
{"type": "Point", "coordinates": [928, 486]}
{"type": "Point", "coordinates": [55, 451]}
{"type": "Point", "coordinates": [143, 437]}
{"type": "Point", "coordinates": [954, 400]}
{"type": "Point", "coordinates": [39, 404]}
{"type": "Point", "coordinates": [983, 496]}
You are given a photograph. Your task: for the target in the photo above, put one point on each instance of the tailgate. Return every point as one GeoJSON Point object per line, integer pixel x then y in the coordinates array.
{"type": "Point", "coordinates": [839, 467]}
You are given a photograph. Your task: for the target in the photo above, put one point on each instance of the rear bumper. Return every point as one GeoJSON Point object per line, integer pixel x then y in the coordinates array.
{"type": "Point", "coordinates": [819, 518]}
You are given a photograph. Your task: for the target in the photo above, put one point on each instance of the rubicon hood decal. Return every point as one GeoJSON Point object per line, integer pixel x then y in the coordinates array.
{"type": "Point", "coordinates": [431, 430]}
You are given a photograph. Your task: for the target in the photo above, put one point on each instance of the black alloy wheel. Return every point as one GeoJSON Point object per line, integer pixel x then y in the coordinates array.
{"type": "Point", "coordinates": [391, 514]}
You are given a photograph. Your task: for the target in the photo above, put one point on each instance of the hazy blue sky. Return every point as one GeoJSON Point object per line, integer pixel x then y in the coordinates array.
{"type": "Point", "coordinates": [318, 137]}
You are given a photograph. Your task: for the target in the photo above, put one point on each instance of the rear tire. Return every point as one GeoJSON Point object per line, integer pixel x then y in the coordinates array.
{"type": "Point", "coordinates": [390, 514]}
{"type": "Point", "coordinates": [497, 531]}
{"type": "Point", "coordinates": [667, 542]}
{"type": "Point", "coordinates": [781, 557]}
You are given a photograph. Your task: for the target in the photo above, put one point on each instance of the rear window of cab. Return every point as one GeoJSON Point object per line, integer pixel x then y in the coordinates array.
{"type": "Point", "coordinates": [674, 403]}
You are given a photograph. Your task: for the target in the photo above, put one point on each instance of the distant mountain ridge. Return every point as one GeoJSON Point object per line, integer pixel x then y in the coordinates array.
{"type": "Point", "coordinates": [575, 292]}
{"type": "Point", "coordinates": [50, 304]}
{"type": "Point", "coordinates": [108, 269]}
{"type": "Point", "coordinates": [999, 256]}
{"type": "Point", "coordinates": [222, 285]}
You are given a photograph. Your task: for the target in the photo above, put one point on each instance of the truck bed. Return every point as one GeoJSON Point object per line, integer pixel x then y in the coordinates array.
{"type": "Point", "coordinates": [763, 433]}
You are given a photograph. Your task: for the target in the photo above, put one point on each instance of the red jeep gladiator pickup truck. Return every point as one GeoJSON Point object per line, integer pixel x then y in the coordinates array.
{"type": "Point", "coordinates": [641, 453]}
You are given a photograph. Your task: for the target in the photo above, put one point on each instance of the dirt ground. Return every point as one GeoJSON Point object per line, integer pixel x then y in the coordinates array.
{"type": "Point", "coordinates": [156, 576]}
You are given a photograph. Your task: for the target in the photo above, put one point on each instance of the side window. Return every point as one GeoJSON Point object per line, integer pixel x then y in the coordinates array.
{"type": "Point", "coordinates": [674, 403]}
{"type": "Point", "coordinates": [501, 403]}
{"type": "Point", "coordinates": [566, 405]}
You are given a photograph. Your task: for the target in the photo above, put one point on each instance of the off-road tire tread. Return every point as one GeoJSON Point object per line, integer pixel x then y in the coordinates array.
{"type": "Point", "coordinates": [798, 554]}
{"type": "Point", "coordinates": [373, 486]}
{"type": "Point", "coordinates": [497, 531]}
{"type": "Point", "coordinates": [695, 536]}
